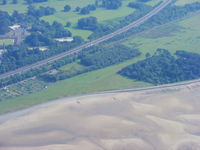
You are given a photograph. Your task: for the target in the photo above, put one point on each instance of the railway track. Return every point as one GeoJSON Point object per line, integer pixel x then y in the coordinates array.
{"type": "Point", "coordinates": [89, 44]}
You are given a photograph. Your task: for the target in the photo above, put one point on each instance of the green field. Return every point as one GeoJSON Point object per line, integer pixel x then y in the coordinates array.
{"type": "Point", "coordinates": [102, 15]}
{"type": "Point", "coordinates": [22, 88]}
{"type": "Point", "coordinates": [100, 80]}
{"type": "Point", "coordinates": [182, 35]}
{"type": "Point", "coordinates": [83, 33]}
{"type": "Point", "coordinates": [63, 17]}
{"type": "Point", "coordinates": [6, 42]}
{"type": "Point", "coordinates": [183, 2]}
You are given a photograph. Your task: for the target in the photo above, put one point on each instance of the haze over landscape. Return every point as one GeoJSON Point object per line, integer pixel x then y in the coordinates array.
{"type": "Point", "coordinates": [99, 75]}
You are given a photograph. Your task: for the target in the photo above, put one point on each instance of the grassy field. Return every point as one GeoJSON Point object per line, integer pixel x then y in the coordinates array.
{"type": "Point", "coordinates": [183, 2]}
{"type": "Point", "coordinates": [83, 33]}
{"type": "Point", "coordinates": [22, 88]}
{"type": "Point", "coordinates": [63, 17]}
{"type": "Point", "coordinates": [102, 15]}
{"type": "Point", "coordinates": [182, 35]}
{"type": "Point", "coordinates": [100, 80]}
{"type": "Point", "coordinates": [20, 7]}
{"type": "Point", "coordinates": [104, 79]}
{"type": "Point", "coordinates": [6, 42]}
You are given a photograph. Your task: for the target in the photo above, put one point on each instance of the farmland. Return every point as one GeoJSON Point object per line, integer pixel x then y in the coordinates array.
{"type": "Point", "coordinates": [6, 42]}
{"type": "Point", "coordinates": [86, 83]}
{"type": "Point", "coordinates": [183, 2]}
{"type": "Point", "coordinates": [101, 14]}
{"type": "Point", "coordinates": [181, 35]}
{"type": "Point", "coordinates": [154, 68]}
{"type": "Point", "coordinates": [63, 17]}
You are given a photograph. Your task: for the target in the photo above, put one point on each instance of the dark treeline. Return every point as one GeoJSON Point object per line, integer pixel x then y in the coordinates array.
{"type": "Point", "coordinates": [89, 23]}
{"type": "Point", "coordinates": [4, 22]}
{"type": "Point", "coordinates": [164, 67]}
{"type": "Point", "coordinates": [92, 58]}
{"type": "Point", "coordinates": [19, 56]}
{"type": "Point", "coordinates": [111, 4]}
{"type": "Point", "coordinates": [41, 34]}
{"type": "Point", "coordinates": [41, 11]}
{"type": "Point", "coordinates": [95, 58]}
{"type": "Point", "coordinates": [100, 57]}
{"type": "Point", "coordinates": [107, 4]}
{"type": "Point", "coordinates": [86, 10]}
{"type": "Point", "coordinates": [139, 6]}
{"type": "Point", "coordinates": [168, 14]}
{"type": "Point", "coordinates": [37, 72]}
{"type": "Point", "coordinates": [34, 1]}
{"type": "Point", "coordinates": [144, 1]}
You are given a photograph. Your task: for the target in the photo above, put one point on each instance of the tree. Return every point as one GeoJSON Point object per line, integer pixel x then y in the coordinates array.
{"type": "Point", "coordinates": [41, 11]}
{"type": "Point", "coordinates": [67, 8]}
{"type": "Point", "coordinates": [4, 26]}
{"type": "Point", "coordinates": [4, 22]}
{"type": "Point", "coordinates": [89, 23]}
{"type": "Point", "coordinates": [77, 9]}
{"type": "Point", "coordinates": [85, 11]}
{"type": "Point", "coordinates": [163, 67]}
{"type": "Point", "coordinates": [111, 4]}
{"type": "Point", "coordinates": [78, 39]}
{"type": "Point", "coordinates": [4, 2]}
{"type": "Point", "coordinates": [96, 3]}
{"type": "Point", "coordinates": [29, 2]}
{"type": "Point", "coordinates": [36, 39]}
{"type": "Point", "coordinates": [148, 55]}
{"type": "Point", "coordinates": [15, 1]}
{"type": "Point", "coordinates": [68, 24]}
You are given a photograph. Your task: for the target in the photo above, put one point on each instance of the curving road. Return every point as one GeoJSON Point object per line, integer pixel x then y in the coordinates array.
{"type": "Point", "coordinates": [89, 44]}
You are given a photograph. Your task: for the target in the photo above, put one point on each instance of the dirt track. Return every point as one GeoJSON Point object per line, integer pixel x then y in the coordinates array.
{"type": "Point", "coordinates": [166, 119]}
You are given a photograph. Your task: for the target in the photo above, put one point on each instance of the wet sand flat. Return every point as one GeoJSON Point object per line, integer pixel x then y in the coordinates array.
{"type": "Point", "coordinates": [150, 120]}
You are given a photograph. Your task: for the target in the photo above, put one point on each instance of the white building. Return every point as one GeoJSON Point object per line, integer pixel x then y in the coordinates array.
{"type": "Point", "coordinates": [15, 27]}
{"type": "Point", "coordinates": [2, 51]}
{"type": "Point", "coordinates": [68, 39]}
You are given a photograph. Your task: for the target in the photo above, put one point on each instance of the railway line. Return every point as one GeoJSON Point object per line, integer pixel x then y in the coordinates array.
{"type": "Point", "coordinates": [89, 44]}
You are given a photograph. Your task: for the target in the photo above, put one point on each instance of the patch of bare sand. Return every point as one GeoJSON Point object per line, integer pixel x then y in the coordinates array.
{"type": "Point", "coordinates": [118, 121]}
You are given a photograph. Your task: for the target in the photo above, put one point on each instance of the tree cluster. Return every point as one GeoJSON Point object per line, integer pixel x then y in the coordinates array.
{"type": "Point", "coordinates": [34, 1]}
{"type": "Point", "coordinates": [67, 8]}
{"type": "Point", "coordinates": [164, 67]}
{"type": "Point", "coordinates": [86, 10]}
{"type": "Point", "coordinates": [89, 23]}
{"type": "Point", "coordinates": [94, 58]}
{"type": "Point", "coordinates": [111, 4]}
{"type": "Point", "coordinates": [139, 6]}
{"type": "Point", "coordinates": [99, 57]}
{"type": "Point", "coordinates": [4, 22]}
{"type": "Point", "coordinates": [41, 11]}
{"type": "Point", "coordinates": [144, 1]}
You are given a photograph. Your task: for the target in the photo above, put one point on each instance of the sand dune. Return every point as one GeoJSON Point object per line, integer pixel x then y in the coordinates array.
{"type": "Point", "coordinates": [152, 120]}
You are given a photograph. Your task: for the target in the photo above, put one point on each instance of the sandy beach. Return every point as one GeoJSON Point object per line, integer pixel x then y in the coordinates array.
{"type": "Point", "coordinates": [151, 120]}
